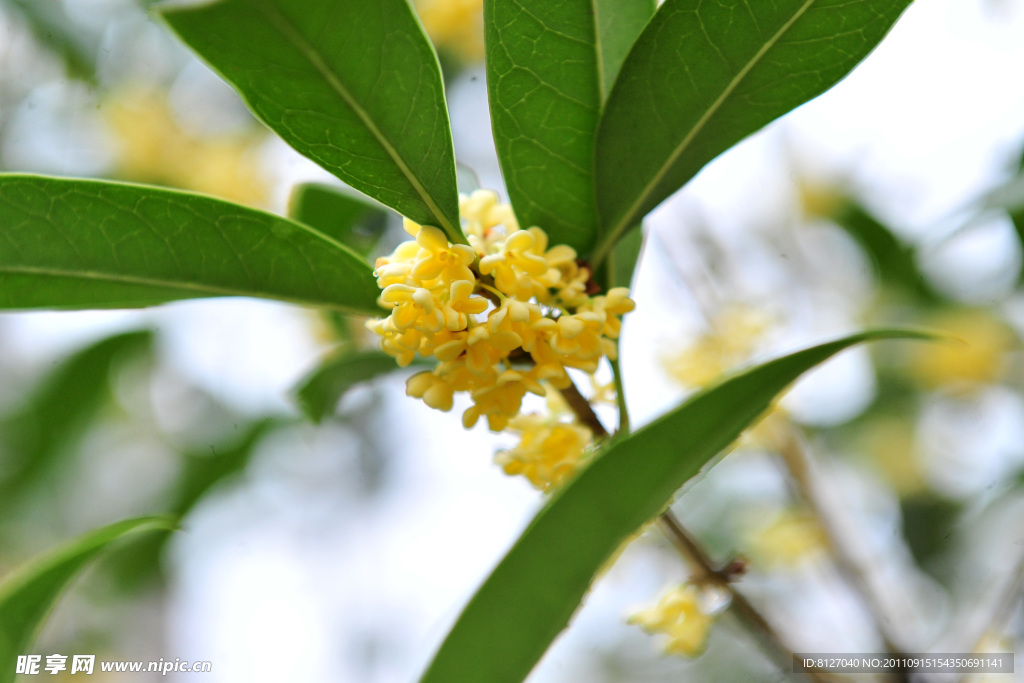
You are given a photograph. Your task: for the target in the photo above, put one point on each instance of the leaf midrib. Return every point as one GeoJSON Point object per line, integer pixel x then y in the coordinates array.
{"type": "Point", "coordinates": [629, 216]}
{"type": "Point", "coordinates": [312, 56]}
{"type": "Point", "coordinates": [185, 196]}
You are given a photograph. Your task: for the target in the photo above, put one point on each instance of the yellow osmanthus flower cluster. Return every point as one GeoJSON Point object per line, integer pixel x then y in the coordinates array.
{"type": "Point", "coordinates": [550, 448]}
{"type": "Point", "coordinates": [680, 616]}
{"type": "Point", "coordinates": [504, 315]}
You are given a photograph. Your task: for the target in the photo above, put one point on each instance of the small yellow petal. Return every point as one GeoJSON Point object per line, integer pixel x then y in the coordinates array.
{"type": "Point", "coordinates": [432, 238]}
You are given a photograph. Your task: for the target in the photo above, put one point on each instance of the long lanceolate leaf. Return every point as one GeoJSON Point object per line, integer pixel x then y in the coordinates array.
{"type": "Point", "coordinates": [28, 594]}
{"type": "Point", "coordinates": [354, 221]}
{"type": "Point", "coordinates": [619, 23]}
{"type": "Point", "coordinates": [531, 595]}
{"type": "Point", "coordinates": [549, 65]}
{"type": "Point", "coordinates": [703, 75]}
{"type": "Point", "coordinates": [92, 244]}
{"type": "Point", "coordinates": [43, 431]}
{"type": "Point", "coordinates": [353, 85]}
{"type": "Point", "coordinates": [319, 392]}
{"type": "Point", "coordinates": [543, 80]}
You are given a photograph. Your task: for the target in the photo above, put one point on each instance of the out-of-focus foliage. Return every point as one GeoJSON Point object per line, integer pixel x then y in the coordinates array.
{"type": "Point", "coordinates": [319, 392]}
{"type": "Point", "coordinates": [351, 220]}
{"type": "Point", "coordinates": [50, 25]}
{"type": "Point", "coordinates": [27, 594]}
{"type": "Point", "coordinates": [48, 423]}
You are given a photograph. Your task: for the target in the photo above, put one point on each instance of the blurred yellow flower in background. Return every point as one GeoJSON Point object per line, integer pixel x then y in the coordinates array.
{"type": "Point", "coordinates": [819, 199]}
{"type": "Point", "coordinates": [788, 539]}
{"type": "Point", "coordinates": [455, 25]}
{"type": "Point", "coordinates": [891, 445]}
{"type": "Point", "coordinates": [152, 147]}
{"type": "Point", "coordinates": [734, 336]}
{"type": "Point", "coordinates": [976, 356]}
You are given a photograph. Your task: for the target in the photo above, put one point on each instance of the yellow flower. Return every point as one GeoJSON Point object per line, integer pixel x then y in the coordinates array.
{"type": "Point", "coordinates": [788, 539]}
{"type": "Point", "coordinates": [485, 221]}
{"type": "Point", "coordinates": [819, 200]}
{"type": "Point", "coordinates": [439, 260]}
{"type": "Point", "coordinates": [413, 307]}
{"type": "Point", "coordinates": [457, 25]}
{"type": "Point", "coordinates": [497, 341]}
{"type": "Point", "coordinates": [151, 146]}
{"type": "Point", "coordinates": [891, 445]}
{"type": "Point", "coordinates": [434, 391]}
{"type": "Point", "coordinates": [500, 401]}
{"type": "Point", "coordinates": [549, 451]}
{"type": "Point", "coordinates": [679, 616]}
{"type": "Point", "coordinates": [735, 334]}
{"type": "Point", "coordinates": [977, 356]}
{"type": "Point", "coordinates": [517, 265]}
{"type": "Point", "coordinates": [461, 305]}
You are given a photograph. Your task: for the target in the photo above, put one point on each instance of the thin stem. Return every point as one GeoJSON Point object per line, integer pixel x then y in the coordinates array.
{"type": "Point", "coordinates": [1003, 607]}
{"type": "Point", "coordinates": [1008, 602]}
{"type": "Point", "coordinates": [620, 397]}
{"type": "Point", "coordinates": [584, 412]}
{"type": "Point", "coordinates": [801, 468]}
{"type": "Point", "coordinates": [701, 566]}
{"type": "Point", "coordinates": [703, 571]}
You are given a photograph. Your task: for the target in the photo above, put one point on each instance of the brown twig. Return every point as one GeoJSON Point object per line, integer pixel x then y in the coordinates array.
{"type": "Point", "coordinates": [703, 572]}
{"type": "Point", "coordinates": [702, 569]}
{"type": "Point", "coordinates": [583, 410]}
{"type": "Point", "coordinates": [797, 460]}
{"type": "Point", "coordinates": [1006, 602]}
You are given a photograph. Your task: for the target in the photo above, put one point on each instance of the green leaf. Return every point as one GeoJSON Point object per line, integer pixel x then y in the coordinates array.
{"type": "Point", "coordinates": [355, 86]}
{"type": "Point", "coordinates": [1017, 218]}
{"type": "Point", "coordinates": [895, 262]}
{"type": "Point", "coordinates": [56, 412]}
{"type": "Point", "coordinates": [1009, 197]}
{"type": "Point", "coordinates": [355, 222]}
{"type": "Point", "coordinates": [619, 24]}
{"type": "Point", "coordinates": [704, 75]}
{"type": "Point", "coordinates": [319, 392]}
{"type": "Point", "coordinates": [533, 592]}
{"type": "Point", "coordinates": [52, 28]}
{"type": "Point", "coordinates": [929, 523]}
{"type": "Point", "coordinates": [548, 68]}
{"type": "Point", "coordinates": [544, 87]}
{"type": "Point", "coordinates": [624, 259]}
{"type": "Point", "coordinates": [28, 593]}
{"type": "Point", "coordinates": [202, 470]}
{"type": "Point", "coordinates": [93, 244]}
